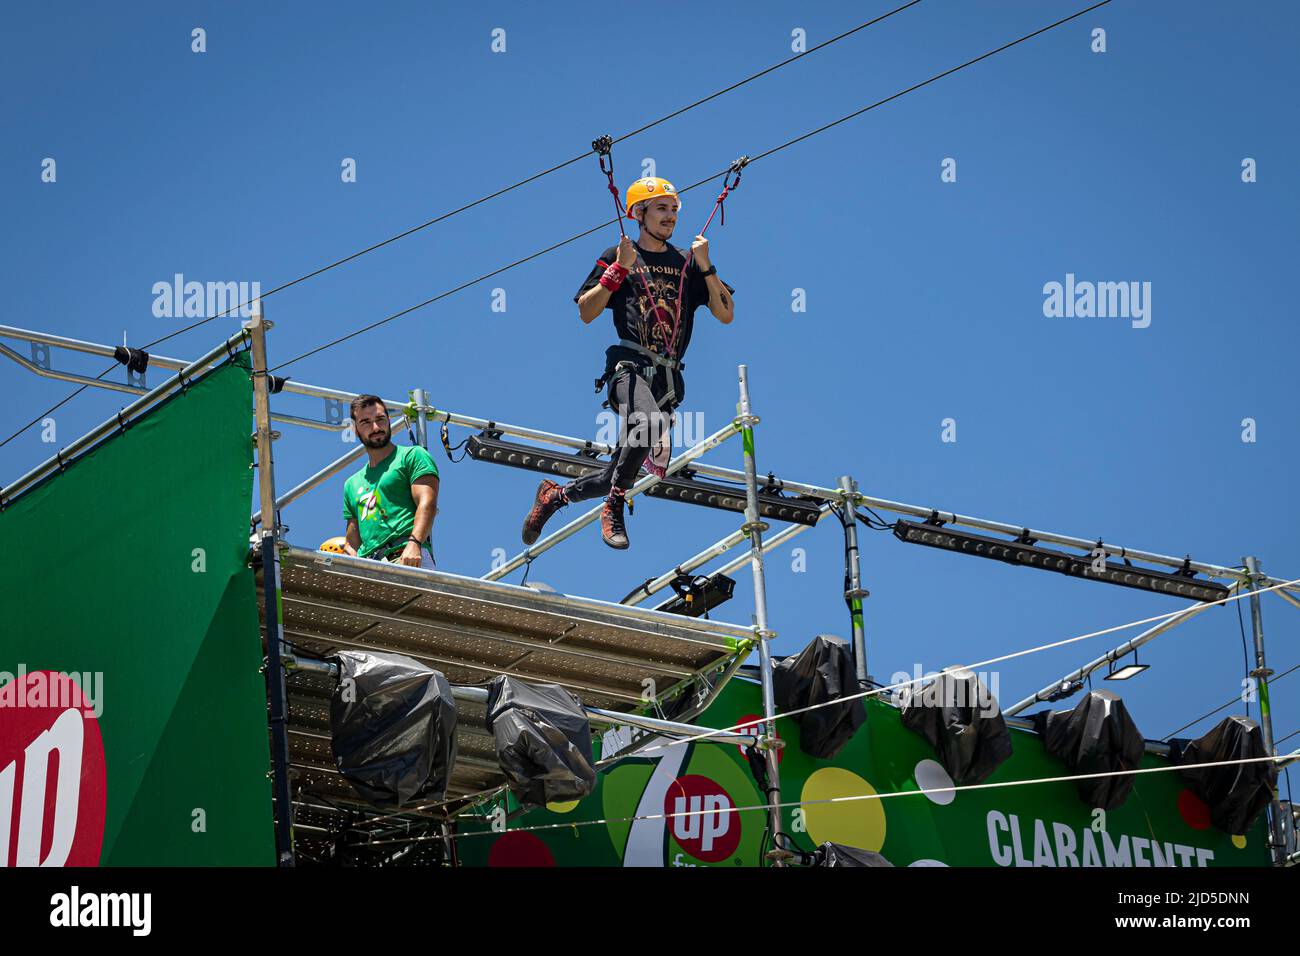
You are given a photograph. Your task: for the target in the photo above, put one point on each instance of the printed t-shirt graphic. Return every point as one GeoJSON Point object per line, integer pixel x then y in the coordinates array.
{"type": "Point", "coordinates": [646, 320]}
{"type": "Point", "coordinates": [379, 499]}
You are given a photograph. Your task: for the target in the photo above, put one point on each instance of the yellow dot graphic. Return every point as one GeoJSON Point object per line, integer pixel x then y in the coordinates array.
{"type": "Point", "coordinates": [859, 823]}
{"type": "Point", "coordinates": [1239, 841]}
{"type": "Point", "coordinates": [562, 806]}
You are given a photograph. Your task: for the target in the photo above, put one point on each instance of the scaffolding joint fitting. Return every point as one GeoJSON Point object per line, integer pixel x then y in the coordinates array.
{"type": "Point", "coordinates": [743, 421]}
{"type": "Point", "coordinates": [1262, 672]}
{"type": "Point", "coordinates": [852, 593]}
{"type": "Point", "coordinates": [766, 742]}
{"type": "Point", "coordinates": [751, 526]}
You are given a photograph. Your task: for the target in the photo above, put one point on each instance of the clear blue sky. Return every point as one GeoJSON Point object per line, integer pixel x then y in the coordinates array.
{"type": "Point", "coordinates": [924, 298]}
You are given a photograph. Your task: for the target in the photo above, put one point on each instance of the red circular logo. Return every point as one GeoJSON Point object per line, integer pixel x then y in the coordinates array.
{"type": "Point", "coordinates": [517, 848]}
{"type": "Point", "coordinates": [1194, 811]}
{"type": "Point", "coordinates": [702, 818]}
{"type": "Point", "coordinates": [53, 785]}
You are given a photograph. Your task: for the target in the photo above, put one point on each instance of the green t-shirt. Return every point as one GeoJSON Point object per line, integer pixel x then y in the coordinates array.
{"type": "Point", "coordinates": [378, 498]}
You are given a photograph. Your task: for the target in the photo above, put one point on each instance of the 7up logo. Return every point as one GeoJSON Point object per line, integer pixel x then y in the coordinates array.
{"type": "Point", "coordinates": [705, 824]}
{"type": "Point", "coordinates": [52, 771]}
{"type": "Point", "coordinates": [368, 504]}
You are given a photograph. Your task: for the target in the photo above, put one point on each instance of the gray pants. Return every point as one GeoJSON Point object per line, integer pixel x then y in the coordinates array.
{"type": "Point", "coordinates": [641, 426]}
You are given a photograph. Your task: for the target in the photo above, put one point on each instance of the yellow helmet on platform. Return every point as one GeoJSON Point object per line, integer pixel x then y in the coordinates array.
{"type": "Point", "coordinates": [651, 187]}
{"type": "Point", "coordinates": [334, 545]}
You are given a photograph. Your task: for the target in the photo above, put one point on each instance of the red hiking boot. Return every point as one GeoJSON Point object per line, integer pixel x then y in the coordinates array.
{"type": "Point", "coordinates": [550, 499]}
{"type": "Point", "coordinates": [611, 520]}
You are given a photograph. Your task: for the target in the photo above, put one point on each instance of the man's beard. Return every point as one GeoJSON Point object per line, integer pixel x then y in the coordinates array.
{"type": "Point", "coordinates": [373, 442]}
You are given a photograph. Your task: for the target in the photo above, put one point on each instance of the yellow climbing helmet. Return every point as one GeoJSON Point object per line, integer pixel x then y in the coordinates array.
{"type": "Point", "coordinates": [334, 546]}
{"type": "Point", "coordinates": [651, 187]}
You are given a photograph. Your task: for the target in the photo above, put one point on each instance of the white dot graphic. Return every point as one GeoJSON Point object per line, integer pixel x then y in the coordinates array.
{"type": "Point", "coordinates": [930, 775]}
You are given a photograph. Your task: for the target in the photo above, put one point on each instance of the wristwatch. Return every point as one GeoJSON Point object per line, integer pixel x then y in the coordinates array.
{"type": "Point", "coordinates": [712, 271]}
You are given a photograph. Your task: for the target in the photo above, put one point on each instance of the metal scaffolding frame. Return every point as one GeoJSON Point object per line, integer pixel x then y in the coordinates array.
{"type": "Point", "coordinates": [419, 414]}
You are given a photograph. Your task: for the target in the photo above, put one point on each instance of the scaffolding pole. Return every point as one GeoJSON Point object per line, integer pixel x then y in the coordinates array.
{"type": "Point", "coordinates": [854, 592]}
{"type": "Point", "coordinates": [1150, 634]}
{"type": "Point", "coordinates": [577, 524]}
{"type": "Point", "coordinates": [419, 398]}
{"type": "Point", "coordinates": [772, 543]}
{"type": "Point", "coordinates": [108, 351]}
{"type": "Point", "coordinates": [182, 379]}
{"type": "Point", "coordinates": [699, 467]}
{"type": "Point", "coordinates": [1282, 593]}
{"type": "Point", "coordinates": [769, 743]}
{"type": "Point", "coordinates": [275, 687]}
{"type": "Point", "coordinates": [333, 468]}
{"type": "Point", "coordinates": [655, 585]}
{"type": "Point", "coordinates": [1261, 674]}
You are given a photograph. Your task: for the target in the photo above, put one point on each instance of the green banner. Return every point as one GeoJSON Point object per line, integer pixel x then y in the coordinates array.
{"type": "Point", "coordinates": [132, 711]}
{"type": "Point", "coordinates": [622, 822]}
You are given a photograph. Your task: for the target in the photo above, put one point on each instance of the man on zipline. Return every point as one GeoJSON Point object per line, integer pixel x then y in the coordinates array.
{"type": "Point", "coordinates": [653, 307]}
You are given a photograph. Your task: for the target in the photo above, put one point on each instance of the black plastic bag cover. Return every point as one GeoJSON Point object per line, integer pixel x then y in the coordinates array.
{"type": "Point", "coordinates": [1097, 736]}
{"type": "Point", "coordinates": [1235, 794]}
{"type": "Point", "coordinates": [543, 740]}
{"type": "Point", "coordinates": [822, 671]}
{"type": "Point", "coordinates": [836, 854]}
{"type": "Point", "coordinates": [393, 722]}
{"type": "Point", "coordinates": [962, 721]}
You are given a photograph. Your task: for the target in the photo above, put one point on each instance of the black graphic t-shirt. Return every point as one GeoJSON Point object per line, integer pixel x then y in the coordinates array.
{"type": "Point", "coordinates": [649, 321]}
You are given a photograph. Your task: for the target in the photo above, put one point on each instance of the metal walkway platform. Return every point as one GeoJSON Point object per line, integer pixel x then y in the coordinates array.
{"type": "Point", "coordinates": [472, 630]}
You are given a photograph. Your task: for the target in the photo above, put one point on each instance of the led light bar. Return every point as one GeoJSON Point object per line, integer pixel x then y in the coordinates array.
{"type": "Point", "coordinates": [777, 507]}
{"type": "Point", "coordinates": [1026, 554]}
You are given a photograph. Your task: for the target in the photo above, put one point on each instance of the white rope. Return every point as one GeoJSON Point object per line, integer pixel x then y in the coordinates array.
{"type": "Point", "coordinates": [476, 799]}
{"type": "Point", "coordinates": [993, 660]}
{"type": "Point", "coordinates": [852, 798]}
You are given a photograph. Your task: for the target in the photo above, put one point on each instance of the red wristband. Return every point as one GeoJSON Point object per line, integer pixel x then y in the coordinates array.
{"type": "Point", "coordinates": [613, 277]}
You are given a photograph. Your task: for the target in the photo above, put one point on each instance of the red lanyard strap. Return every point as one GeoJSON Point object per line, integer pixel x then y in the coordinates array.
{"type": "Point", "coordinates": [603, 147]}
{"type": "Point", "coordinates": [727, 186]}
